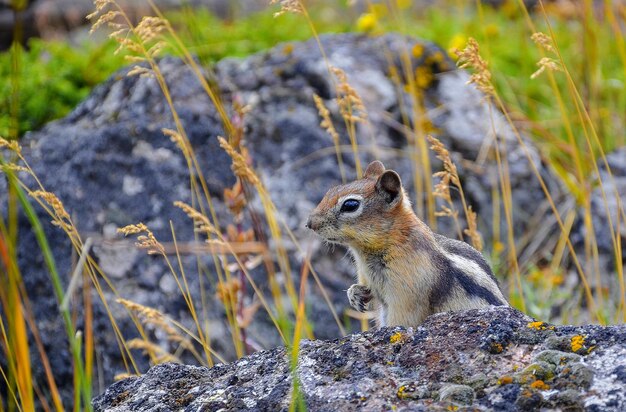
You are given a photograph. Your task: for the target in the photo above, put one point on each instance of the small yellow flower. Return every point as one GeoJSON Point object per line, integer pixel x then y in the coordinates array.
{"type": "Point", "coordinates": [403, 4]}
{"type": "Point", "coordinates": [417, 50]}
{"type": "Point", "coordinates": [557, 279]}
{"type": "Point", "coordinates": [367, 22]}
{"type": "Point", "coordinates": [457, 42]}
{"type": "Point", "coordinates": [492, 30]}
{"type": "Point", "coordinates": [498, 247]}
{"type": "Point", "coordinates": [378, 10]}
{"type": "Point", "coordinates": [436, 57]}
{"type": "Point", "coordinates": [423, 77]}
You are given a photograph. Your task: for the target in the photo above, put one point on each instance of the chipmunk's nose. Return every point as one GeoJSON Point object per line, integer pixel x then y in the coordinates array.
{"type": "Point", "coordinates": [312, 223]}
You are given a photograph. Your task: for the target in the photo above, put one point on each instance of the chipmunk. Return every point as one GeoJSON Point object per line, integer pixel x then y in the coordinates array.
{"type": "Point", "coordinates": [405, 270]}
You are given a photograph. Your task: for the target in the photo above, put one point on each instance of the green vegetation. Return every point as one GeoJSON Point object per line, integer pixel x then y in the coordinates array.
{"type": "Point", "coordinates": [55, 76]}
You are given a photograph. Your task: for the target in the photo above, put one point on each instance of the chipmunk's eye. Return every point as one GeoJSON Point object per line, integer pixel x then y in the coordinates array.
{"type": "Point", "coordinates": [350, 205]}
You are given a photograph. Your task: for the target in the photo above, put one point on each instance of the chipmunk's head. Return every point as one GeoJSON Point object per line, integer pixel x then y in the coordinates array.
{"type": "Point", "coordinates": [362, 213]}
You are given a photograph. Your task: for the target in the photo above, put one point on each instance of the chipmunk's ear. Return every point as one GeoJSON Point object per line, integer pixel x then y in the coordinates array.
{"type": "Point", "coordinates": [389, 186]}
{"type": "Point", "coordinates": [374, 169]}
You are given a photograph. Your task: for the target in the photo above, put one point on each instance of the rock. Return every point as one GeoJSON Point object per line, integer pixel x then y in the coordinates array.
{"type": "Point", "coordinates": [110, 164]}
{"type": "Point", "coordinates": [366, 371]}
{"type": "Point", "coordinates": [556, 358]}
{"type": "Point", "coordinates": [461, 394]}
{"type": "Point", "coordinates": [604, 209]}
{"type": "Point", "coordinates": [538, 371]}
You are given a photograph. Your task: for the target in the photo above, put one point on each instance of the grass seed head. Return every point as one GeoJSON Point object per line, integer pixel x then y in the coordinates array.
{"type": "Point", "coordinates": [546, 63]}
{"type": "Point", "coordinates": [472, 230]}
{"type": "Point", "coordinates": [14, 168]}
{"type": "Point", "coordinates": [350, 103]}
{"type": "Point", "coordinates": [544, 41]}
{"type": "Point", "coordinates": [326, 123]}
{"type": "Point", "coordinates": [201, 222]}
{"type": "Point", "coordinates": [148, 241]}
{"type": "Point", "coordinates": [152, 317]}
{"type": "Point", "coordinates": [469, 57]}
{"type": "Point", "coordinates": [11, 145]}
{"type": "Point", "coordinates": [448, 175]}
{"type": "Point", "coordinates": [235, 199]}
{"type": "Point", "coordinates": [240, 166]}
{"type": "Point", "coordinates": [178, 140]}
{"type": "Point", "coordinates": [62, 218]}
{"type": "Point", "coordinates": [288, 6]}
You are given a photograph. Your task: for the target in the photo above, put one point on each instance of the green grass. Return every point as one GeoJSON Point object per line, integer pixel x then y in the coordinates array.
{"type": "Point", "coordinates": [55, 76]}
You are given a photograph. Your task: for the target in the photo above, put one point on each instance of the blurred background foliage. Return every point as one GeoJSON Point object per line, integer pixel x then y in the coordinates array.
{"type": "Point", "coordinates": [56, 74]}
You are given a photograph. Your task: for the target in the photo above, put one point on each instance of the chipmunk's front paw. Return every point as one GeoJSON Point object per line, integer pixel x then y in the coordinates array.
{"type": "Point", "coordinates": [359, 297]}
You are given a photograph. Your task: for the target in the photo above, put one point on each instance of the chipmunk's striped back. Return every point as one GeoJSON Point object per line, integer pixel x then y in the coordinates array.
{"type": "Point", "coordinates": [464, 267]}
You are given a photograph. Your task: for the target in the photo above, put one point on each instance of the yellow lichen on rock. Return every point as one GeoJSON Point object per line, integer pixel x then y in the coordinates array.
{"type": "Point", "coordinates": [396, 338]}
{"type": "Point", "coordinates": [539, 325]}
{"type": "Point", "coordinates": [578, 342]}
{"type": "Point", "coordinates": [539, 384]}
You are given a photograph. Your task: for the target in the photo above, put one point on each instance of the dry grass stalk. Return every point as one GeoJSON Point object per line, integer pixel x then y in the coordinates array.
{"type": "Point", "coordinates": [449, 175]}
{"type": "Point", "coordinates": [201, 222]}
{"type": "Point", "coordinates": [469, 57]}
{"type": "Point", "coordinates": [178, 140]}
{"type": "Point", "coordinates": [543, 40]}
{"type": "Point", "coordinates": [288, 6]}
{"type": "Point", "coordinates": [148, 241]}
{"type": "Point", "coordinates": [240, 166]}
{"type": "Point", "coordinates": [235, 199]}
{"type": "Point", "coordinates": [327, 124]}
{"type": "Point", "coordinates": [11, 145]}
{"type": "Point", "coordinates": [152, 317]}
{"type": "Point", "coordinates": [472, 229]}
{"type": "Point", "coordinates": [228, 291]}
{"type": "Point", "coordinates": [61, 217]}
{"type": "Point", "coordinates": [124, 375]}
{"type": "Point", "coordinates": [143, 41]}
{"type": "Point", "coordinates": [349, 101]}
{"type": "Point", "coordinates": [162, 355]}
{"type": "Point", "coordinates": [15, 168]}
{"type": "Point", "coordinates": [546, 63]}
{"type": "Point", "coordinates": [352, 110]}
{"type": "Point", "coordinates": [145, 312]}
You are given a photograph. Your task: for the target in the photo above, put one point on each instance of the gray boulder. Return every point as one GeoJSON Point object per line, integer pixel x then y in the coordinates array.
{"type": "Point", "coordinates": [490, 359]}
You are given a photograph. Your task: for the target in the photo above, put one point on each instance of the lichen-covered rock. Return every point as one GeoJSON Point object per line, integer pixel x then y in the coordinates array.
{"type": "Point", "coordinates": [437, 366]}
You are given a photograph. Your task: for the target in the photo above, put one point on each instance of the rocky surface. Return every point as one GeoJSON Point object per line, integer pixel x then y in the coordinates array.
{"type": "Point", "coordinates": [111, 166]}
{"type": "Point", "coordinates": [490, 359]}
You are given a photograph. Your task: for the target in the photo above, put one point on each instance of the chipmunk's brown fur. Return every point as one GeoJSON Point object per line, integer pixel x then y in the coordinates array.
{"type": "Point", "coordinates": [404, 269]}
